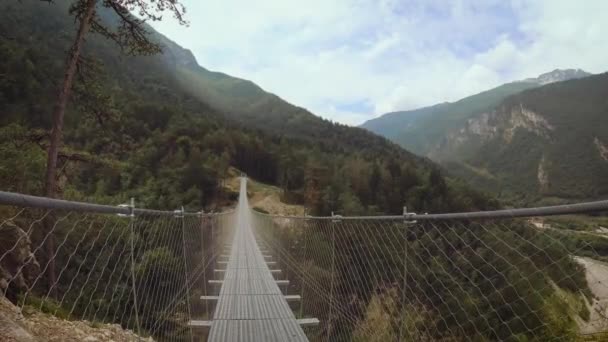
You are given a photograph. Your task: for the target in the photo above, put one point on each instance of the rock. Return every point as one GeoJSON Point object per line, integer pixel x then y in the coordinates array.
{"type": "Point", "coordinates": [11, 328]}
{"type": "Point", "coordinates": [19, 267]}
{"type": "Point", "coordinates": [36, 326]}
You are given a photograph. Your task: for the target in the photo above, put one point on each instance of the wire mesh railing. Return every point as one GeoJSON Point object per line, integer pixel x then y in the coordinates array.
{"type": "Point", "coordinates": [142, 269]}
{"type": "Point", "coordinates": [488, 276]}
{"type": "Point", "coordinates": [452, 277]}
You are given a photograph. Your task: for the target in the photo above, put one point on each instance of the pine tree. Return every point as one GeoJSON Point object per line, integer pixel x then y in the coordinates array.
{"type": "Point", "coordinates": [131, 35]}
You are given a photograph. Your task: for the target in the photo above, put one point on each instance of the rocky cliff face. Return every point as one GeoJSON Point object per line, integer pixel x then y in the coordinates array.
{"type": "Point", "coordinates": [550, 141]}
{"type": "Point", "coordinates": [542, 176]}
{"type": "Point", "coordinates": [601, 148]}
{"type": "Point", "coordinates": [501, 123]}
{"type": "Point", "coordinates": [499, 128]}
{"type": "Point", "coordinates": [524, 118]}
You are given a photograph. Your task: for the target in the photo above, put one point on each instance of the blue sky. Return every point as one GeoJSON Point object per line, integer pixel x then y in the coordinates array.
{"type": "Point", "coordinates": [352, 60]}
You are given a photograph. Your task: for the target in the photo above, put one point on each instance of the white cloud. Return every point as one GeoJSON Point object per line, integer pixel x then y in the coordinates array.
{"type": "Point", "coordinates": [390, 54]}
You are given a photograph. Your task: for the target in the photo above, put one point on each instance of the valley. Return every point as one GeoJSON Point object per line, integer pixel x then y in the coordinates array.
{"type": "Point", "coordinates": [480, 219]}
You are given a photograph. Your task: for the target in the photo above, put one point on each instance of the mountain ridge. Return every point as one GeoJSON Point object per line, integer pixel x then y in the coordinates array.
{"type": "Point", "coordinates": [425, 130]}
{"type": "Point", "coordinates": [558, 75]}
{"type": "Point", "coordinates": [166, 130]}
{"type": "Point", "coordinates": [458, 133]}
{"type": "Point", "coordinates": [546, 142]}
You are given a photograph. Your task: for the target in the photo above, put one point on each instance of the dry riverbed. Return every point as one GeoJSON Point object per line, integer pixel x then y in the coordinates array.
{"type": "Point", "coordinates": [597, 278]}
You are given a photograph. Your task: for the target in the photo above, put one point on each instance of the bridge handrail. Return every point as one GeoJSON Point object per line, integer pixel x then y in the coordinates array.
{"type": "Point", "coordinates": [565, 209]}
{"type": "Point", "coordinates": [29, 201]}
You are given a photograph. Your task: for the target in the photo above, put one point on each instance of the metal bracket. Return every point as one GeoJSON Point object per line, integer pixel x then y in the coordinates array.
{"type": "Point", "coordinates": [131, 207]}
{"type": "Point", "coordinates": [336, 218]}
{"type": "Point", "coordinates": [408, 217]}
{"type": "Point", "coordinates": [178, 213]}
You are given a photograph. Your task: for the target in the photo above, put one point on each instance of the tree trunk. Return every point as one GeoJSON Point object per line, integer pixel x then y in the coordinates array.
{"type": "Point", "coordinates": [57, 131]}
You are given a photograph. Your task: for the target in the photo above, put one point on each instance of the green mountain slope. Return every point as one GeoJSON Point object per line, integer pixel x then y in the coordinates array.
{"type": "Point", "coordinates": [529, 140]}
{"type": "Point", "coordinates": [165, 130]}
{"type": "Point", "coordinates": [550, 141]}
{"type": "Point", "coordinates": [245, 102]}
{"type": "Point", "coordinates": [422, 130]}
{"type": "Point", "coordinates": [419, 130]}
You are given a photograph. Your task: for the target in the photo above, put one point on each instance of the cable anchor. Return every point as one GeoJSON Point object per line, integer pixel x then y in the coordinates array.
{"type": "Point", "coordinates": [408, 218]}
{"type": "Point", "coordinates": [130, 206]}
{"type": "Point", "coordinates": [178, 213]}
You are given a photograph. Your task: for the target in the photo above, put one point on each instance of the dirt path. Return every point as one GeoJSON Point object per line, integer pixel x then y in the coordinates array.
{"type": "Point", "coordinates": [265, 197]}
{"type": "Point", "coordinates": [597, 278]}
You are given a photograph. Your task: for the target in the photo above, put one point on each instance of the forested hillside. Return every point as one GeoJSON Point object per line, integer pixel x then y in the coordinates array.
{"type": "Point", "coordinates": [549, 142]}
{"type": "Point", "coordinates": [155, 128]}
{"type": "Point", "coordinates": [541, 139]}
{"type": "Point", "coordinates": [421, 129]}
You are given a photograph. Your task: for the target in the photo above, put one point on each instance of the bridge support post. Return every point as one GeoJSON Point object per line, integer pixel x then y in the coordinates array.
{"type": "Point", "coordinates": [406, 222]}
{"type": "Point", "coordinates": [201, 215]}
{"type": "Point", "coordinates": [131, 207]}
{"type": "Point", "coordinates": [179, 214]}
{"type": "Point", "coordinates": [302, 283]}
{"type": "Point", "coordinates": [330, 321]}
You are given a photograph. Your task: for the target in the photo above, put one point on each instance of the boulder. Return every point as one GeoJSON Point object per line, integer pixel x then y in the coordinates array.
{"type": "Point", "coordinates": [18, 266]}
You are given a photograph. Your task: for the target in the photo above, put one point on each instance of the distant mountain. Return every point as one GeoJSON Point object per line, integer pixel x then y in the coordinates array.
{"type": "Point", "coordinates": [547, 142]}
{"type": "Point", "coordinates": [396, 125]}
{"type": "Point", "coordinates": [421, 130]}
{"type": "Point", "coordinates": [558, 75]}
{"type": "Point", "coordinates": [463, 135]}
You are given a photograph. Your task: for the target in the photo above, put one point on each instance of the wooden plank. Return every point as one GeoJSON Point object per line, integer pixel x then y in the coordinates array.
{"type": "Point", "coordinates": [308, 322]}
{"type": "Point", "coordinates": [200, 324]}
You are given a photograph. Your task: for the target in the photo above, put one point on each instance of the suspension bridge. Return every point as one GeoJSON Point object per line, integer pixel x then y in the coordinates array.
{"type": "Point", "coordinates": [250, 306]}
{"type": "Point", "coordinates": [242, 275]}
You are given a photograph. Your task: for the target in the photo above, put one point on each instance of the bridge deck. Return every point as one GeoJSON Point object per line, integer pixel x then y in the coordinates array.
{"type": "Point", "coordinates": [251, 307]}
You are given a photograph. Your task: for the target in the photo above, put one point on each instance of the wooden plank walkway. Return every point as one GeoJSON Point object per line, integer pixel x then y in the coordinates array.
{"type": "Point", "coordinates": [250, 305]}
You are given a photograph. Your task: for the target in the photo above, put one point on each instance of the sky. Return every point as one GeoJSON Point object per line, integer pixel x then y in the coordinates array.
{"type": "Point", "coordinates": [353, 60]}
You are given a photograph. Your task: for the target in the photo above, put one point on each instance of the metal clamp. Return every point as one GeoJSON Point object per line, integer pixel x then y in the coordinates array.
{"type": "Point", "coordinates": [130, 206]}
{"type": "Point", "coordinates": [336, 218]}
{"type": "Point", "coordinates": [408, 217]}
{"type": "Point", "coordinates": [178, 213]}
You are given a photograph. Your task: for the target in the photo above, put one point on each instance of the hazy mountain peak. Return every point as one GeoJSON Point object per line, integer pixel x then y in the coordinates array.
{"type": "Point", "coordinates": [558, 75]}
